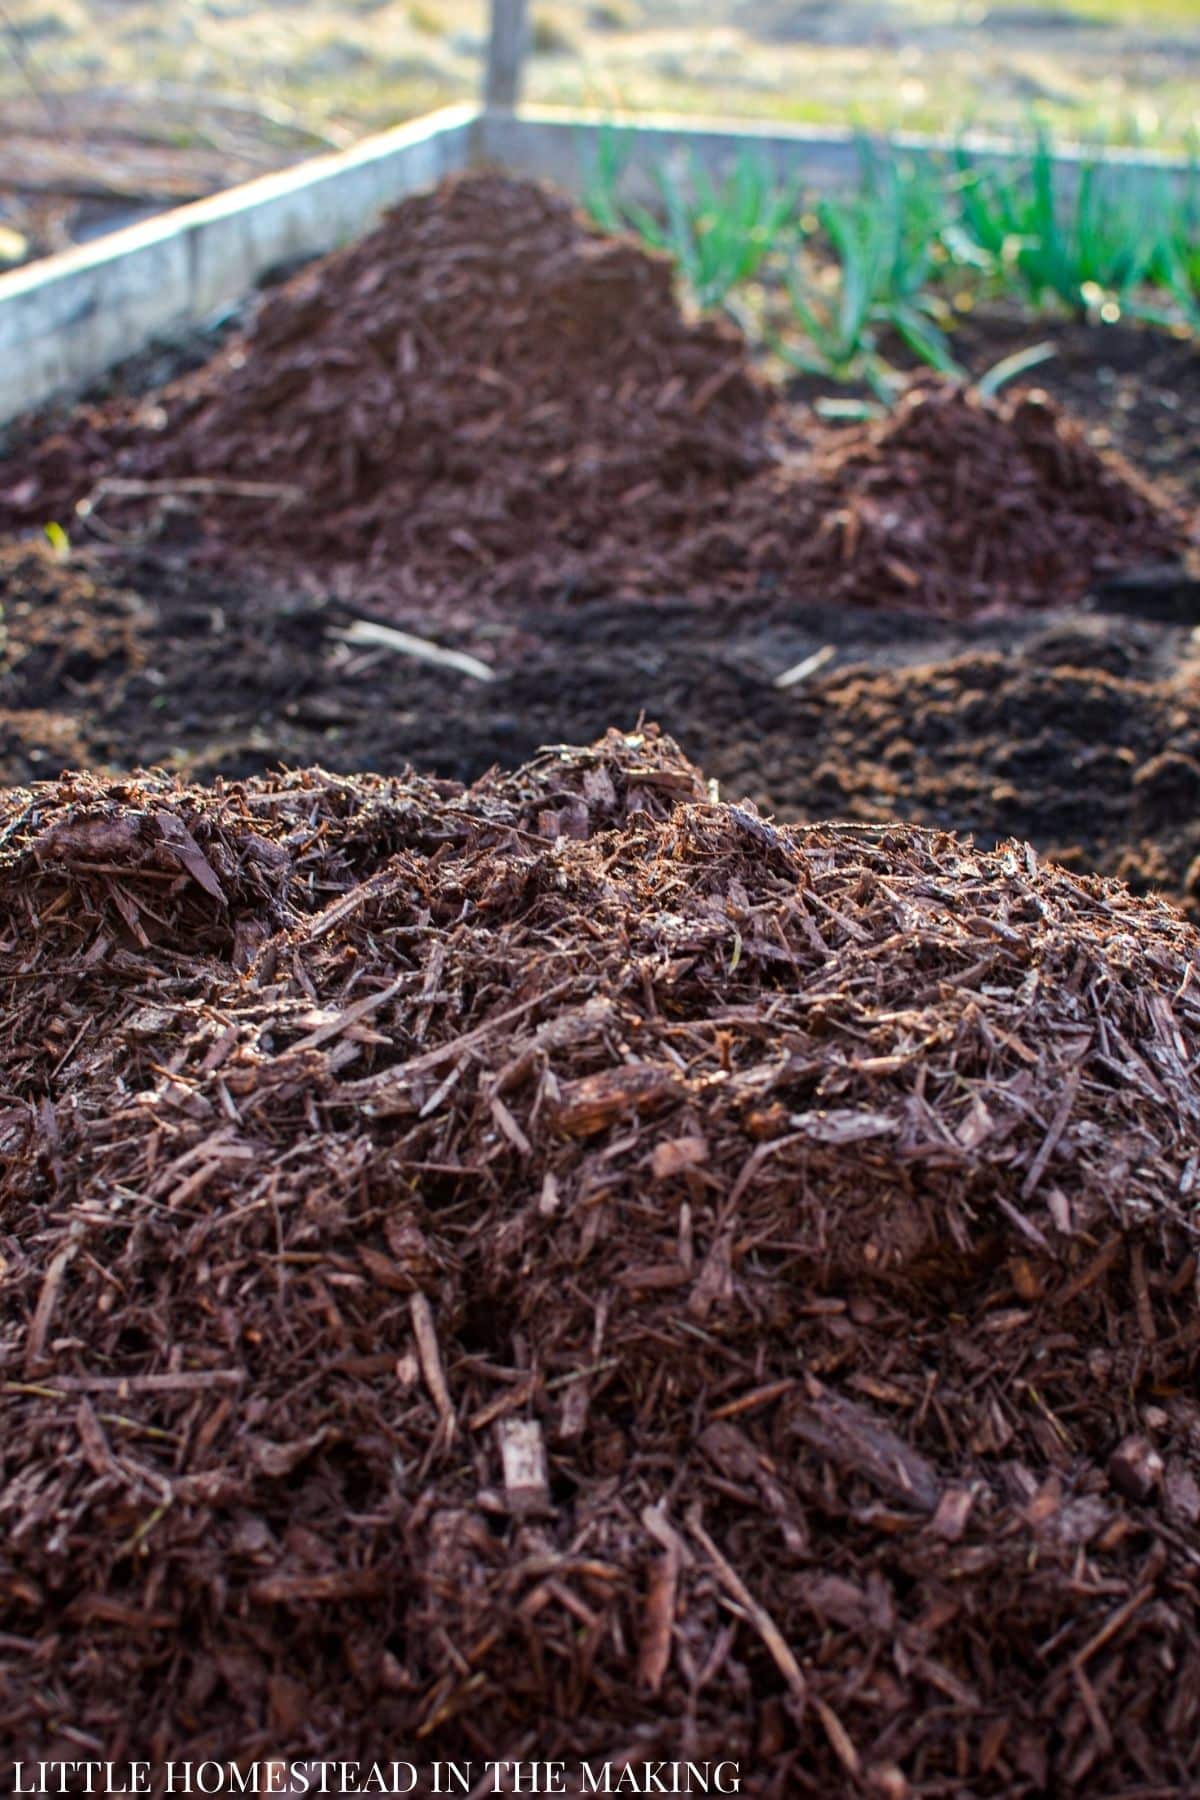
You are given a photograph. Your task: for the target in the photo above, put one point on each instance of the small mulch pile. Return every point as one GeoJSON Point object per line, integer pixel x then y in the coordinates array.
{"type": "Point", "coordinates": [487, 397]}
{"type": "Point", "coordinates": [1099, 768]}
{"type": "Point", "coordinates": [954, 504]}
{"type": "Point", "coordinates": [566, 1268]}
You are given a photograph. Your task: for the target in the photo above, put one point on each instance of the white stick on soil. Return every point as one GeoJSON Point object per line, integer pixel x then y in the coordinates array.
{"type": "Point", "coordinates": [367, 631]}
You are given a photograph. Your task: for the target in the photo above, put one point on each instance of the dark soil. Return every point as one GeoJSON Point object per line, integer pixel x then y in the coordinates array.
{"type": "Point", "coordinates": [566, 1269]}
{"type": "Point", "coordinates": [1080, 734]}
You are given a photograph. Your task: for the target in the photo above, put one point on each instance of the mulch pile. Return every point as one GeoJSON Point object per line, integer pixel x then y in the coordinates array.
{"type": "Point", "coordinates": [487, 397]}
{"type": "Point", "coordinates": [566, 1268]}
{"type": "Point", "coordinates": [954, 504]}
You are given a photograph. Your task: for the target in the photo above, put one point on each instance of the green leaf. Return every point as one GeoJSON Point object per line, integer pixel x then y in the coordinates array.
{"type": "Point", "coordinates": [1010, 367]}
{"type": "Point", "coordinates": [924, 339]}
{"type": "Point", "coordinates": [845, 411]}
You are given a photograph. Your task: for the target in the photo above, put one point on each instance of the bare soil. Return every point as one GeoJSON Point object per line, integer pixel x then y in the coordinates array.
{"type": "Point", "coordinates": [1080, 733]}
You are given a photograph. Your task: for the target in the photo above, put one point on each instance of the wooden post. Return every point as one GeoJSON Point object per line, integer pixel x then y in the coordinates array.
{"type": "Point", "coordinates": [506, 53]}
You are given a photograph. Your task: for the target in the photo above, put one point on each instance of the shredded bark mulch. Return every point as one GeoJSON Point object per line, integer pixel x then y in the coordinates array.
{"type": "Point", "coordinates": [486, 400]}
{"type": "Point", "coordinates": [569, 1263]}
{"type": "Point", "coordinates": [958, 506]}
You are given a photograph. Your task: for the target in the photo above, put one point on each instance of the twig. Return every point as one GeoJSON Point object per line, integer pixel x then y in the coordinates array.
{"type": "Point", "coordinates": [402, 1073]}
{"type": "Point", "coordinates": [430, 1357]}
{"type": "Point", "coordinates": [118, 488]}
{"type": "Point", "coordinates": [810, 665]}
{"type": "Point", "coordinates": [758, 1615]}
{"type": "Point", "coordinates": [352, 1015]}
{"type": "Point", "coordinates": [1111, 1626]}
{"type": "Point", "coordinates": [654, 1656]}
{"type": "Point", "coordinates": [366, 631]}
{"type": "Point", "coordinates": [1050, 1142]}
{"type": "Point", "coordinates": [47, 1301]}
{"type": "Point", "coordinates": [185, 1381]}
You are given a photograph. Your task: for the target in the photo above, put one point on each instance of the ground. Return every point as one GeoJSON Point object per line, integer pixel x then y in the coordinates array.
{"type": "Point", "coordinates": [1075, 728]}
{"type": "Point", "coordinates": [571, 1266]}
{"type": "Point", "coordinates": [1079, 733]}
{"type": "Point", "coordinates": [106, 108]}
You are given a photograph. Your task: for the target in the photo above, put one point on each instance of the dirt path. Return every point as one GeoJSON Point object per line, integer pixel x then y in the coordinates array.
{"type": "Point", "coordinates": [1078, 732]}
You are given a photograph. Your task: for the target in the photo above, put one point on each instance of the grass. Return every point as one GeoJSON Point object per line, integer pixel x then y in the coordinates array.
{"type": "Point", "coordinates": [724, 58]}
{"type": "Point", "coordinates": [876, 276]}
{"type": "Point", "coordinates": [883, 262]}
{"type": "Point", "coordinates": [719, 235]}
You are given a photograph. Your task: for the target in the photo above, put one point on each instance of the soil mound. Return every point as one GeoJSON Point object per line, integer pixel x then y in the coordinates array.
{"type": "Point", "coordinates": [487, 395]}
{"type": "Point", "coordinates": [564, 1263]}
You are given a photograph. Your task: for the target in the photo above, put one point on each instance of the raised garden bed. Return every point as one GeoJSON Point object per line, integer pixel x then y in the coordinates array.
{"type": "Point", "coordinates": [569, 1262]}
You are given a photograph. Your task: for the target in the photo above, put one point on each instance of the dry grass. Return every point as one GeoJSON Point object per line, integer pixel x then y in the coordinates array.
{"type": "Point", "coordinates": [362, 63]}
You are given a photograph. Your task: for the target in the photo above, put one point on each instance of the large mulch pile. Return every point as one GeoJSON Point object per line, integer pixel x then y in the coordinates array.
{"type": "Point", "coordinates": [565, 1268]}
{"type": "Point", "coordinates": [488, 397]}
